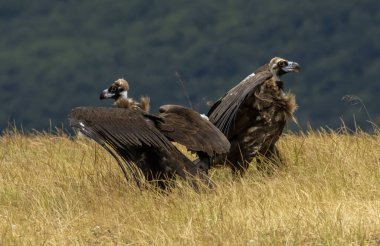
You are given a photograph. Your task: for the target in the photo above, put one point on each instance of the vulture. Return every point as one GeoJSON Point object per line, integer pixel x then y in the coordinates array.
{"type": "Point", "coordinates": [142, 142]}
{"type": "Point", "coordinates": [253, 114]}
{"type": "Point", "coordinates": [118, 91]}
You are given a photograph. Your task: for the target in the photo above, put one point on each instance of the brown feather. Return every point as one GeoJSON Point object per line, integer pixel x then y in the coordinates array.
{"type": "Point", "coordinates": [144, 139]}
{"type": "Point", "coordinates": [223, 114]}
{"type": "Point", "coordinates": [133, 137]}
{"type": "Point", "coordinates": [131, 134]}
{"type": "Point", "coordinates": [145, 104]}
{"type": "Point", "coordinates": [188, 128]}
{"type": "Point", "coordinates": [130, 103]}
{"type": "Point", "coordinates": [127, 127]}
{"type": "Point", "coordinates": [253, 114]}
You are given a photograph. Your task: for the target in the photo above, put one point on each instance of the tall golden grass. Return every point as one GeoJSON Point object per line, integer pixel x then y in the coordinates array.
{"type": "Point", "coordinates": [57, 191]}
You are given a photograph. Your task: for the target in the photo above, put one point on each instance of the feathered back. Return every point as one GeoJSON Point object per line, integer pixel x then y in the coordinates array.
{"type": "Point", "coordinates": [187, 127]}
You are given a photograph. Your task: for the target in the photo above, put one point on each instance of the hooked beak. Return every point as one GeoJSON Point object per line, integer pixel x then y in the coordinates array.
{"type": "Point", "coordinates": [106, 95]}
{"type": "Point", "coordinates": [292, 67]}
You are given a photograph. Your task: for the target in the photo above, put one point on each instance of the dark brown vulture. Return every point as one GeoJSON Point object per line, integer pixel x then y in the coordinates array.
{"type": "Point", "coordinates": [136, 138]}
{"type": "Point", "coordinates": [253, 114]}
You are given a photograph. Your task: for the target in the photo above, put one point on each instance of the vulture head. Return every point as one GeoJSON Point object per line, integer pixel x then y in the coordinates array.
{"type": "Point", "coordinates": [280, 66]}
{"type": "Point", "coordinates": [117, 89]}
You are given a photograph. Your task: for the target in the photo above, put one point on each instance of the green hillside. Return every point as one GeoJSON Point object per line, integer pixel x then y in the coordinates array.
{"type": "Point", "coordinates": [55, 55]}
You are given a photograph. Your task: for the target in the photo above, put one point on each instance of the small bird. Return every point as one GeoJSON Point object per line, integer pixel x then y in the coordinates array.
{"type": "Point", "coordinates": [136, 138]}
{"type": "Point", "coordinates": [253, 115]}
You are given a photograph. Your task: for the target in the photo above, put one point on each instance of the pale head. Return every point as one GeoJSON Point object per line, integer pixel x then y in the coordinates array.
{"type": "Point", "coordinates": [280, 66]}
{"type": "Point", "coordinates": [119, 88]}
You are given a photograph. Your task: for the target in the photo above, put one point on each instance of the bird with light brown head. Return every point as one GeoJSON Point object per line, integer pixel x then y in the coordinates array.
{"type": "Point", "coordinates": [118, 91]}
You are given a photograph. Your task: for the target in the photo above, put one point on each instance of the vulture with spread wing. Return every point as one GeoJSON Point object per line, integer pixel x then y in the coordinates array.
{"type": "Point", "coordinates": [137, 139]}
{"type": "Point", "coordinates": [253, 114]}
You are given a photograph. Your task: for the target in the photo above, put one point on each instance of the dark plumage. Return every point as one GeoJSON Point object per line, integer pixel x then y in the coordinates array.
{"type": "Point", "coordinates": [138, 139]}
{"type": "Point", "coordinates": [253, 114]}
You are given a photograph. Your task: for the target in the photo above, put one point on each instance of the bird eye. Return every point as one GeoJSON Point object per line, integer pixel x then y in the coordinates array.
{"type": "Point", "coordinates": [282, 63]}
{"type": "Point", "coordinates": [112, 89]}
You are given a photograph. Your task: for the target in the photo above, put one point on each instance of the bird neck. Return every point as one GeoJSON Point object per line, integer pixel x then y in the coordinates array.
{"type": "Point", "coordinates": [280, 84]}
{"type": "Point", "coordinates": [123, 102]}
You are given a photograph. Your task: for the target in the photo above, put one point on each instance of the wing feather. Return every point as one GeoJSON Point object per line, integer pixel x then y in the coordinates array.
{"type": "Point", "coordinates": [223, 113]}
{"type": "Point", "coordinates": [122, 127]}
{"type": "Point", "coordinates": [187, 127]}
{"type": "Point", "coordinates": [122, 132]}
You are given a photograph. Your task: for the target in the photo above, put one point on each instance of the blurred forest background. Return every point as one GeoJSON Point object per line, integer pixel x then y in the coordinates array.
{"type": "Point", "coordinates": [55, 55]}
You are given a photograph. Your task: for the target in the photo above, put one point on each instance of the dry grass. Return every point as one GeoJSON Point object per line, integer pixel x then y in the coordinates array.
{"type": "Point", "coordinates": [56, 191]}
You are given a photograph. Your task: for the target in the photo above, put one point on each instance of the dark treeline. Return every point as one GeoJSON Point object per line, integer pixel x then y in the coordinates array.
{"type": "Point", "coordinates": [55, 55]}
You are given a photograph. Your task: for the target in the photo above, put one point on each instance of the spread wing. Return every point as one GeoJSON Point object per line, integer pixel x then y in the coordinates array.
{"type": "Point", "coordinates": [223, 113]}
{"type": "Point", "coordinates": [117, 126]}
{"type": "Point", "coordinates": [189, 128]}
{"type": "Point", "coordinates": [122, 132]}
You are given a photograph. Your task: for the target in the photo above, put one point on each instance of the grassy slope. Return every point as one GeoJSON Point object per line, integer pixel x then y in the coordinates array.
{"type": "Point", "coordinates": [57, 191]}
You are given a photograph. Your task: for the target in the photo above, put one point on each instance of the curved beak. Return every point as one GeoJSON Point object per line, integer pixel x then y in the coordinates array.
{"type": "Point", "coordinates": [292, 67]}
{"type": "Point", "coordinates": [106, 95]}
